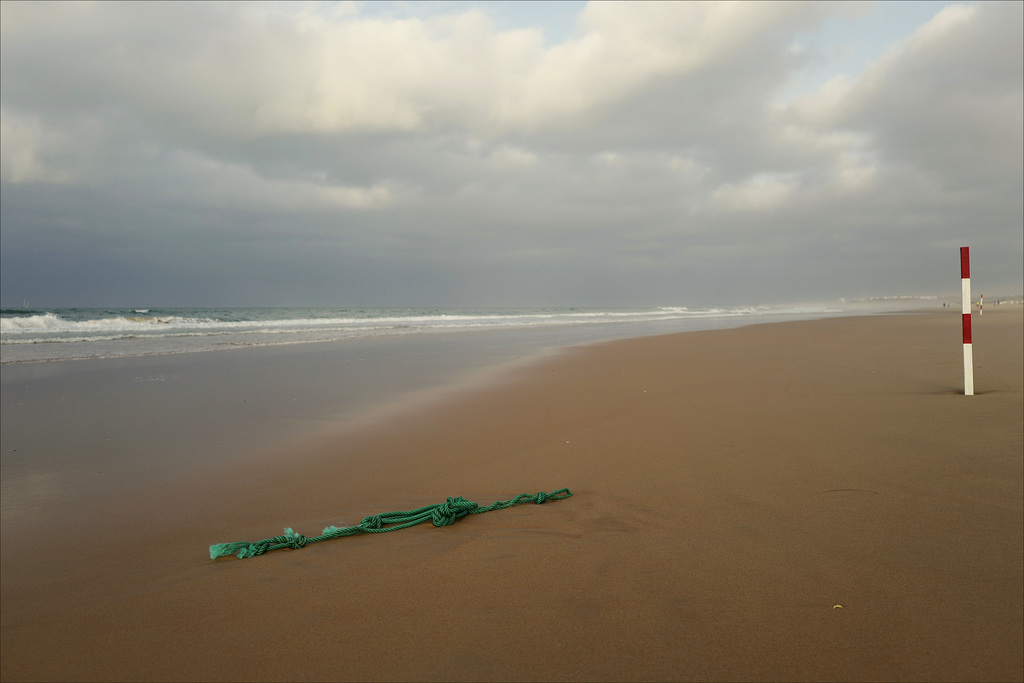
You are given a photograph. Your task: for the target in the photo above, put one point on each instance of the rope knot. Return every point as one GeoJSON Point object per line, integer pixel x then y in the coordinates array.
{"type": "Point", "coordinates": [254, 549]}
{"type": "Point", "coordinates": [453, 509]}
{"type": "Point", "coordinates": [290, 539]}
{"type": "Point", "coordinates": [371, 522]}
{"type": "Point", "coordinates": [541, 497]}
{"type": "Point", "coordinates": [296, 541]}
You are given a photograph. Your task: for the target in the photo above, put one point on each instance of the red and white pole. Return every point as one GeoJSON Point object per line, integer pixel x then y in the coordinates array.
{"type": "Point", "coordinates": [965, 286]}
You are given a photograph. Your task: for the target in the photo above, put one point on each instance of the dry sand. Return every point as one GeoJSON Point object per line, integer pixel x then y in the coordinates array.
{"type": "Point", "coordinates": [732, 489]}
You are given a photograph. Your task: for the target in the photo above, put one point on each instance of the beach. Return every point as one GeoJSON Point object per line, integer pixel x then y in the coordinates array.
{"type": "Point", "coordinates": [800, 501]}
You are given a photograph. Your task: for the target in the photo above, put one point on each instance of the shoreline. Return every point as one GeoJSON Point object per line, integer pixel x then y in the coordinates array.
{"type": "Point", "coordinates": [732, 487]}
{"type": "Point", "coordinates": [49, 343]}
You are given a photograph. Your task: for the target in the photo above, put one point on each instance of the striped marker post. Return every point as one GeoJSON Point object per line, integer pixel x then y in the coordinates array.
{"type": "Point", "coordinates": [965, 286]}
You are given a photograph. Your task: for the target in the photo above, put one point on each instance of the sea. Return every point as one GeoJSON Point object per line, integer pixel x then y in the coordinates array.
{"type": "Point", "coordinates": [30, 335]}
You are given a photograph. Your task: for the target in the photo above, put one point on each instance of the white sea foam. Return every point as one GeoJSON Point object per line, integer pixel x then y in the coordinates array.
{"type": "Point", "coordinates": [53, 323]}
{"type": "Point", "coordinates": [54, 326]}
{"type": "Point", "coordinates": [31, 323]}
{"type": "Point", "coordinates": [89, 333]}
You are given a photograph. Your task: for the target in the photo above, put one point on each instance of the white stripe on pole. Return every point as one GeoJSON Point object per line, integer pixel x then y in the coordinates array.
{"type": "Point", "coordinates": [968, 370]}
{"type": "Point", "coordinates": [965, 287]}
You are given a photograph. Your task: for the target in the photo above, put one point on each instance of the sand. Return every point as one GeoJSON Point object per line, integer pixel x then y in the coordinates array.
{"type": "Point", "coordinates": [797, 501]}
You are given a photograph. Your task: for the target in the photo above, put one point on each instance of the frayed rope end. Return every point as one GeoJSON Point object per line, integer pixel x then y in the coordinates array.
{"type": "Point", "coordinates": [224, 549]}
{"type": "Point", "coordinates": [244, 549]}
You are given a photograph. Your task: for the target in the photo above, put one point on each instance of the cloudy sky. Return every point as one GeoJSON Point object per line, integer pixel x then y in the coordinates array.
{"type": "Point", "coordinates": [588, 154]}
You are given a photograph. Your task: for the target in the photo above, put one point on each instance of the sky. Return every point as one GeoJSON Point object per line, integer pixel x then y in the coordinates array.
{"type": "Point", "coordinates": [508, 153]}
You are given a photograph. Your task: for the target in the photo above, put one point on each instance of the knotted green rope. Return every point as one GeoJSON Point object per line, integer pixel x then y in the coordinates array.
{"type": "Point", "coordinates": [441, 514]}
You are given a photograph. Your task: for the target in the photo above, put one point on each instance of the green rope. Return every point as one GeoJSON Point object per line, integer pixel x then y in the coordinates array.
{"type": "Point", "coordinates": [441, 514]}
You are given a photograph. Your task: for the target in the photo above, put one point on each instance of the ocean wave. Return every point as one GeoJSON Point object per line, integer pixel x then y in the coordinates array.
{"type": "Point", "coordinates": [31, 335]}
{"type": "Point", "coordinates": [103, 327]}
{"type": "Point", "coordinates": [52, 322]}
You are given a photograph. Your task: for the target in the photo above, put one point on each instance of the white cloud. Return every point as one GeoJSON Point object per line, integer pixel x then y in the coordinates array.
{"type": "Point", "coordinates": [945, 23]}
{"type": "Point", "coordinates": [687, 169]}
{"type": "Point", "coordinates": [763, 192]}
{"type": "Point", "coordinates": [826, 105]}
{"type": "Point", "coordinates": [512, 156]}
{"type": "Point", "coordinates": [23, 146]}
{"type": "Point", "coordinates": [845, 93]}
{"type": "Point", "coordinates": [247, 70]}
{"type": "Point", "coordinates": [850, 163]}
{"type": "Point", "coordinates": [854, 175]}
{"type": "Point", "coordinates": [947, 103]}
{"type": "Point", "coordinates": [218, 183]}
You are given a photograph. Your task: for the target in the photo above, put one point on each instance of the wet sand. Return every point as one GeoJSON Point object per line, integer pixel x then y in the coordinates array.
{"type": "Point", "coordinates": [733, 489]}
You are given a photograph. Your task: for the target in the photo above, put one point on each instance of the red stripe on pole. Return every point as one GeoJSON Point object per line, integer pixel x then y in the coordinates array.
{"type": "Point", "coordinates": [965, 302]}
